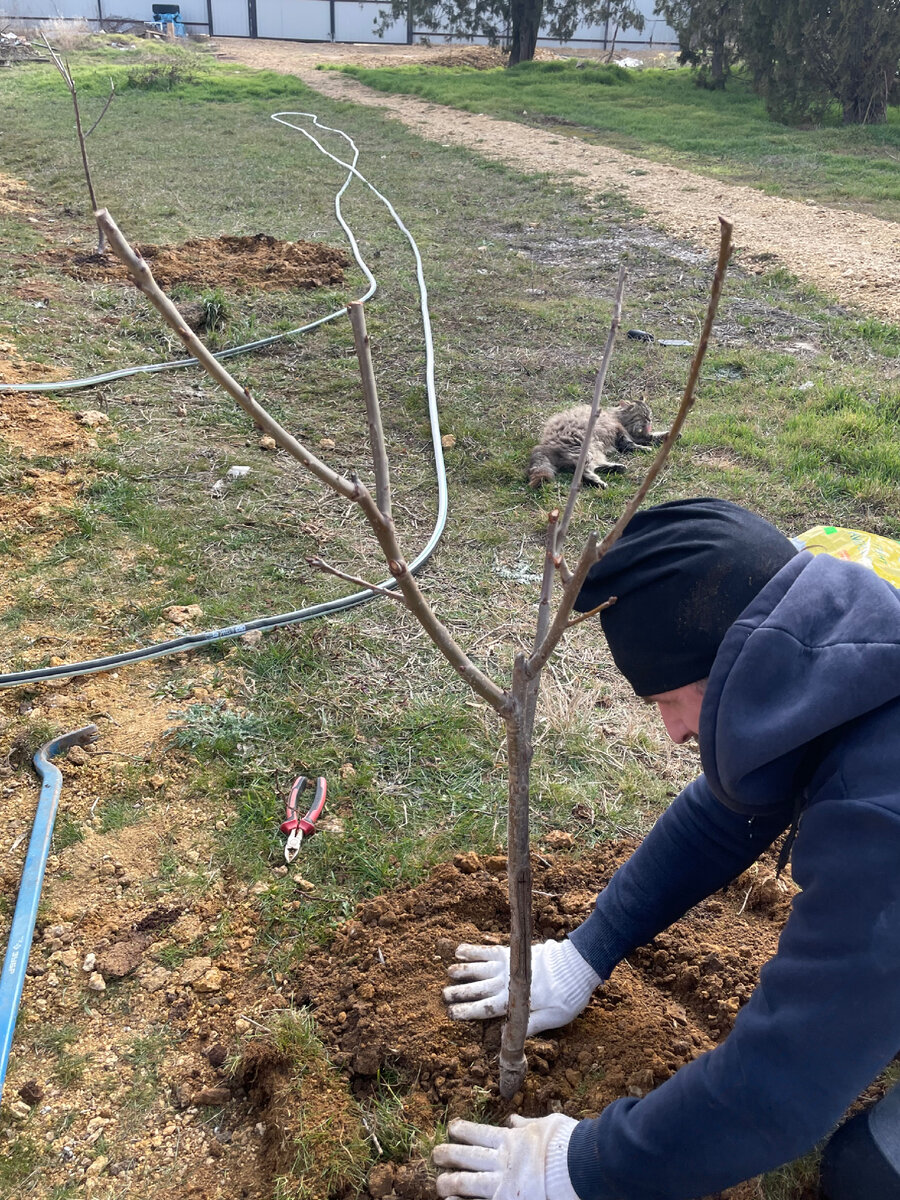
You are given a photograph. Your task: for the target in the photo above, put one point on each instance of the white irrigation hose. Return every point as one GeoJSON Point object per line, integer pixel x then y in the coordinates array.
{"type": "Point", "coordinates": [195, 640]}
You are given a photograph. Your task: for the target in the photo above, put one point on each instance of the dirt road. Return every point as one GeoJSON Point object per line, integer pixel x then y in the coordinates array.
{"type": "Point", "coordinates": [854, 258]}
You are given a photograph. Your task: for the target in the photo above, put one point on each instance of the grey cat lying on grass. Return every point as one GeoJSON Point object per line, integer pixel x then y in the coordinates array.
{"type": "Point", "coordinates": [625, 428]}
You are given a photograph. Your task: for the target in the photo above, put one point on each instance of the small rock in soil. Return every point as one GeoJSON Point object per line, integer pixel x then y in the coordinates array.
{"type": "Point", "coordinates": [193, 968]}
{"type": "Point", "coordinates": [210, 982]}
{"type": "Point", "coordinates": [268, 443]}
{"type": "Point", "coordinates": [468, 863]}
{"type": "Point", "coordinates": [98, 1166]}
{"type": "Point", "coordinates": [381, 1181]}
{"type": "Point", "coordinates": [445, 948]}
{"type": "Point", "coordinates": [20, 1110]}
{"type": "Point", "coordinates": [121, 958]}
{"type": "Point", "coordinates": [77, 756]}
{"type": "Point", "coordinates": [31, 1092]}
{"type": "Point", "coordinates": [211, 1097]}
{"type": "Point", "coordinates": [92, 417]}
{"type": "Point", "coordinates": [96, 982]}
{"type": "Point", "coordinates": [182, 614]}
{"type": "Point", "coordinates": [217, 1055]}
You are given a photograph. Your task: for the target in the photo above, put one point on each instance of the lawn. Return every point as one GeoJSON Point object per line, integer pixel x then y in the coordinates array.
{"type": "Point", "coordinates": [662, 114]}
{"type": "Point", "coordinates": [797, 417]}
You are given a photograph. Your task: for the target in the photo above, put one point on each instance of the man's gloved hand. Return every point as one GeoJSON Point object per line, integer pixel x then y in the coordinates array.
{"type": "Point", "coordinates": [524, 1162]}
{"type": "Point", "coordinates": [561, 984]}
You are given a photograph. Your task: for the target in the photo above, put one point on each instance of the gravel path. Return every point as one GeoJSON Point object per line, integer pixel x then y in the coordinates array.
{"type": "Point", "coordinates": [854, 258]}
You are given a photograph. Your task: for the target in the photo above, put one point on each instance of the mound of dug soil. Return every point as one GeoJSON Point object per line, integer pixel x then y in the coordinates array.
{"type": "Point", "coordinates": [376, 994]}
{"type": "Point", "coordinates": [237, 264]}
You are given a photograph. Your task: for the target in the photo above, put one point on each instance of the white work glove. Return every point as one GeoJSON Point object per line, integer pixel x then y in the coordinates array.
{"type": "Point", "coordinates": [561, 984]}
{"type": "Point", "coordinates": [524, 1162]}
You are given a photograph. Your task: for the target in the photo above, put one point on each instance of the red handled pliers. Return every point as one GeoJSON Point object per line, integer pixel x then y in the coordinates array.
{"type": "Point", "coordinates": [299, 827]}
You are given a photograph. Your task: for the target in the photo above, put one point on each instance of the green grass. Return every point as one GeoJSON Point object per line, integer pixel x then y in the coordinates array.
{"type": "Point", "coordinates": [662, 114]}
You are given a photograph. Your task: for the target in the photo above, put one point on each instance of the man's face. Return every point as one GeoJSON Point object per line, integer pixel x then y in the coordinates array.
{"type": "Point", "coordinates": [680, 711]}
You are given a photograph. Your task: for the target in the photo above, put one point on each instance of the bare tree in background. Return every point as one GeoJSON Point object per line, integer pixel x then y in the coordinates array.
{"type": "Point", "coordinates": [515, 703]}
{"type": "Point", "coordinates": [62, 67]}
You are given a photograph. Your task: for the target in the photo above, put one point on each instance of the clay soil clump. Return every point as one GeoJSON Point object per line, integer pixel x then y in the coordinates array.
{"type": "Point", "coordinates": [237, 264]}
{"type": "Point", "coordinates": [376, 993]}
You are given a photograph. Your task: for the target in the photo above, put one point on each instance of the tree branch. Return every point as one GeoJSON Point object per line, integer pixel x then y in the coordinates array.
{"type": "Point", "coordinates": [109, 100]}
{"type": "Point", "coordinates": [143, 280]}
{"type": "Point", "coordinates": [357, 312]}
{"type": "Point", "coordinates": [592, 552]}
{"type": "Point", "coordinates": [63, 69]}
{"type": "Point", "coordinates": [321, 565]}
{"type": "Point", "coordinates": [352, 489]}
{"type": "Point", "coordinates": [599, 384]}
{"type": "Point", "coordinates": [690, 388]}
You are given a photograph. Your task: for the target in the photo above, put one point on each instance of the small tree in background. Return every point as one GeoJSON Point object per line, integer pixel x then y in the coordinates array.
{"type": "Point", "coordinates": [707, 31]}
{"type": "Point", "coordinates": [806, 54]}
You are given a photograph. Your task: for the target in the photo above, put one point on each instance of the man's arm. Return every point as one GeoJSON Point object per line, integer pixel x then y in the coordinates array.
{"type": "Point", "coordinates": [824, 1020]}
{"type": "Point", "coordinates": [695, 848]}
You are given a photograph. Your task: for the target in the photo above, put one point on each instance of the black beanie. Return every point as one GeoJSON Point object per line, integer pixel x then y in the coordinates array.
{"type": "Point", "coordinates": [683, 572]}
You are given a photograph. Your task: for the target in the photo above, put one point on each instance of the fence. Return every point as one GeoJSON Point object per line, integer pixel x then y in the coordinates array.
{"type": "Point", "coordinates": [309, 21]}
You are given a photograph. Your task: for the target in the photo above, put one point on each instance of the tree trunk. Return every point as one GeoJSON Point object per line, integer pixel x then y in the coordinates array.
{"type": "Point", "coordinates": [717, 63]}
{"type": "Point", "coordinates": [865, 110]}
{"type": "Point", "coordinates": [526, 22]}
{"type": "Point", "coordinates": [519, 751]}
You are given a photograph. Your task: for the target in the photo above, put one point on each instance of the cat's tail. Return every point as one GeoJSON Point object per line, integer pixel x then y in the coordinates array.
{"type": "Point", "coordinates": [541, 468]}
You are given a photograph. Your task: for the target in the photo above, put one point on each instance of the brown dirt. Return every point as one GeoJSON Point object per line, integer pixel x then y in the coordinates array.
{"type": "Point", "coordinates": [14, 196]}
{"type": "Point", "coordinates": [855, 258]}
{"type": "Point", "coordinates": [172, 989]}
{"type": "Point", "coordinates": [235, 263]}
{"type": "Point", "coordinates": [376, 992]}
{"type": "Point", "coordinates": [16, 369]}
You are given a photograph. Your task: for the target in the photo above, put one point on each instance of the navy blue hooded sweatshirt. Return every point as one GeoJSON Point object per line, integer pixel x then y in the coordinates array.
{"type": "Point", "coordinates": [801, 713]}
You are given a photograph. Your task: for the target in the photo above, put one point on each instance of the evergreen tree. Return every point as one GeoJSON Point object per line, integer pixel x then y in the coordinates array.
{"type": "Point", "coordinates": [706, 31]}
{"type": "Point", "coordinates": [805, 54]}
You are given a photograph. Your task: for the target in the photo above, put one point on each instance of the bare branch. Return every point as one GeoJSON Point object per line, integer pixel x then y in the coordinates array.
{"type": "Point", "coordinates": [357, 312]}
{"type": "Point", "coordinates": [109, 100]}
{"type": "Point", "coordinates": [592, 552]}
{"type": "Point", "coordinates": [66, 74]}
{"type": "Point", "coordinates": [690, 388]}
{"type": "Point", "coordinates": [593, 613]}
{"type": "Point", "coordinates": [321, 565]}
{"type": "Point", "coordinates": [351, 489]}
{"type": "Point", "coordinates": [599, 384]}
{"type": "Point", "coordinates": [143, 280]}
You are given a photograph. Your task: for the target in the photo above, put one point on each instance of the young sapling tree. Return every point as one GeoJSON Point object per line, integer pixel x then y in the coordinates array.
{"type": "Point", "coordinates": [515, 703]}
{"type": "Point", "coordinates": [62, 67]}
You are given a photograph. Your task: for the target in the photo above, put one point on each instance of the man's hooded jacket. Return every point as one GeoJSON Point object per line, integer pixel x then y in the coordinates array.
{"type": "Point", "coordinates": [800, 723]}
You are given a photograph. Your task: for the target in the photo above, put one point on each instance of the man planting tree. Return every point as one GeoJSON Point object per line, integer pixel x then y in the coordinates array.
{"type": "Point", "coordinates": [786, 668]}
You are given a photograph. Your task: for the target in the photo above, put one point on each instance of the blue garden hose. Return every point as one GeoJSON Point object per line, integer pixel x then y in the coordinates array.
{"type": "Point", "coordinates": [13, 978]}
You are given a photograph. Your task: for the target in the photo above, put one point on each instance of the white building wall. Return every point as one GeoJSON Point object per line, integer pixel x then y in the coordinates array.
{"type": "Point", "coordinates": [304, 20]}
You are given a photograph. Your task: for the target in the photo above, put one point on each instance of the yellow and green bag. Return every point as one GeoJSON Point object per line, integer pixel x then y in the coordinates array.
{"type": "Point", "coordinates": [880, 553]}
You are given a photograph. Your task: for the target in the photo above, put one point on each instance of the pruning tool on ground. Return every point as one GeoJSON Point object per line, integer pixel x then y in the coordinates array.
{"type": "Point", "coordinates": [296, 827]}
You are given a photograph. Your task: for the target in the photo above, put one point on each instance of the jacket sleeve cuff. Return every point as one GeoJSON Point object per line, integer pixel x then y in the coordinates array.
{"type": "Point", "coordinates": [557, 1183]}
